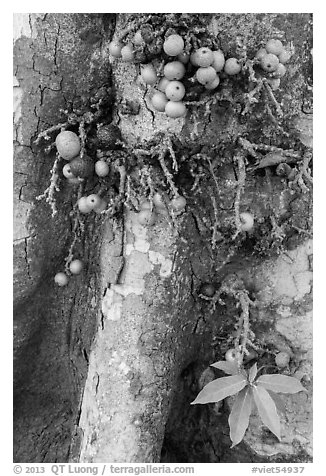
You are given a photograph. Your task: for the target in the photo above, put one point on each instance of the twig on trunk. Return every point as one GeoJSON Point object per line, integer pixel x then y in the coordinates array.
{"type": "Point", "coordinates": [49, 193]}
{"type": "Point", "coordinates": [304, 173]}
{"type": "Point", "coordinates": [215, 225]}
{"type": "Point", "coordinates": [240, 185]}
{"type": "Point", "coordinates": [252, 97]}
{"type": "Point", "coordinates": [167, 173]}
{"type": "Point", "coordinates": [119, 200]}
{"type": "Point", "coordinates": [45, 134]}
{"type": "Point", "coordinates": [82, 137]}
{"type": "Point", "coordinates": [271, 96]}
{"type": "Point", "coordinates": [75, 213]}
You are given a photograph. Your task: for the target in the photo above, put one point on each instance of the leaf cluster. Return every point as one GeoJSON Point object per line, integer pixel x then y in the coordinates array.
{"type": "Point", "coordinates": [250, 391]}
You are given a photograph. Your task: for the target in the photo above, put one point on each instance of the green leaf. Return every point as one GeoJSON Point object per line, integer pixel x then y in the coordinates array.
{"type": "Point", "coordinates": [239, 416]}
{"type": "Point", "coordinates": [267, 410]}
{"type": "Point", "coordinates": [278, 402]}
{"type": "Point", "coordinates": [280, 383]}
{"type": "Point", "coordinates": [252, 373]}
{"type": "Point", "coordinates": [227, 367]}
{"type": "Point", "coordinates": [221, 388]}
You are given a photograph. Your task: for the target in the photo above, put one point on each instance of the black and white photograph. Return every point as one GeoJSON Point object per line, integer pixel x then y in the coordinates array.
{"type": "Point", "coordinates": [162, 260]}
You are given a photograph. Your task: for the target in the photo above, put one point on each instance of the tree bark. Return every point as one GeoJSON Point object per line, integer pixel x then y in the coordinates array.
{"type": "Point", "coordinates": [106, 368]}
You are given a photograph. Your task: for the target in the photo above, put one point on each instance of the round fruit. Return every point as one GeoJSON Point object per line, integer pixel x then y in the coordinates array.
{"type": "Point", "coordinates": [218, 60]}
{"type": "Point", "coordinates": [260, 53]}
{"type": "Point", "coordinates": [175, 109]}
{"type": "Point", "coordinates": [274, 46]}
{"type": "Point", "coordinates": [231, 355]}
{"type": "Point", "coordinates": [247, 221]}
{"type": "Point", "coordinates": [102, 169]}
{"type": "Point", "coordinates": [158, 201]}
{"type": "Point", "coordinates": [183, 57]}
{"type": "Point", "coordinates": [67, 171]}
{"type": "Point", "coordinates": [83, 205]}
{"type": "Point", "coordinates": [163, 84]}
{"type": "Point", "coordinates": [82, 166]}
{"type": "Point", "coordinates": [115, 49]}
{"type": "Point", "coordinates": [146, 217]}
{"type": "Point", "coordinates": [68, 144]}
{"type": "Point", "coordinates": [207, 289]}
{"type": "Point", "coordinates": [159, 101]}
{"type": "Point", "coordinates": [280, 71]}
{"type": "Point", "coordinates": [93, 200]}
{"type": "Point", "coordinates": [205, 75]}
{"type": "Point", "coordinates": [138, 39]}
{"type": "Point", "coordinates": [282, 359]}
{"type": "Point", "coordinates": [127, 53]}
{"type": "Point", "coordinates": [146, 205]}
{"type": "Point", "coordinates": [174, 70]}
{"type": "Point", "coordinates": [61, 279]}
{"type": "Point", "coordinates": [173, 45]}
{"type": "Point", "coordinates": [213, 84]}
{"type": "Point", "coordinates": [148, 74]}
{"type": "Point", "coordinates": [232, 66]}
{"type": "Point", "coordinates": [193, 59]}
{"type": "Point", "coordinates": [76, 266]}
{"type": "Point", "coordinates": [269, 62]}
{"type": "Point", "coordinates": [203, 57]}
{"type": "Point", "coordinates": [178, 203]}
{"type": "Point", "coordinates": [175, 91]}
{"type": "Point", "coordinates": [274, 83]}
{"type": "Point", "coordinates": [100, 207]}
{"type": "Point", "coordinates": [284, 57]}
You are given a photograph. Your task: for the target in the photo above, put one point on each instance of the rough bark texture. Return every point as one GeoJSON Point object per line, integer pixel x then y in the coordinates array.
{"type": "Point", "coordinates": [106, 368]}
{"type": "Point", "coordinates": [54, 67]}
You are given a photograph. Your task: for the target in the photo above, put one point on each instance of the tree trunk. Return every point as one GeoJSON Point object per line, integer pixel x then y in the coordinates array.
{"type": "Point", "coordinates": [106, 367]}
